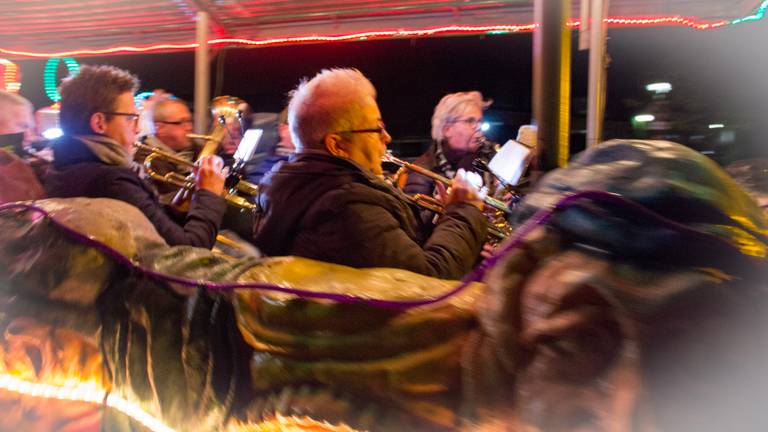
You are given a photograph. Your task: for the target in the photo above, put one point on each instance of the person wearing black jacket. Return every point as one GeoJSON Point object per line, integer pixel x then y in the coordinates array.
{"type": "Point", "coordinates": [329, 202]}
{"type": "Point", "coordinates": [93, 157]}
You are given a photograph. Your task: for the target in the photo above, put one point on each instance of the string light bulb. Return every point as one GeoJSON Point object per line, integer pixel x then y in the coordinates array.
{"type": "Point", "coordinates": [621, 21]}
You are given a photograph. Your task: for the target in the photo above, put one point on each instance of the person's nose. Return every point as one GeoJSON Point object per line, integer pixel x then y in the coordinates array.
{"type": "Point", "coordinates": [387, 138]}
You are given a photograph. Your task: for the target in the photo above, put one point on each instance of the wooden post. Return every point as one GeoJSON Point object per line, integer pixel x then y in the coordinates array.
{"type": "Point", "coordinates": [202, 75]}
{"type": "Point", "coordinates": [552, 82]}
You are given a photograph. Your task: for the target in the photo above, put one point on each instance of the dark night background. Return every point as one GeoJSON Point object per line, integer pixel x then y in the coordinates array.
{"type": "Point", "coordinates": [717, 76]}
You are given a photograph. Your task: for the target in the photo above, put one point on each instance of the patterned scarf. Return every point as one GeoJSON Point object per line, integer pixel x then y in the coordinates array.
{"type": "Point", "coordinates": [444, 167]}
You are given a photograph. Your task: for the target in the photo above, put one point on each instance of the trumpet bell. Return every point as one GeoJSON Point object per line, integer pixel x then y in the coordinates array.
{"type": "Point", "coordinates": [228, 107]}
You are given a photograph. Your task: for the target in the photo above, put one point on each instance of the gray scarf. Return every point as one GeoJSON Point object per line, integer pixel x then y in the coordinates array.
{"type": "Point", "coordinates": [107, 150]}
{"type": "Point", "coordinates": [111, 152]}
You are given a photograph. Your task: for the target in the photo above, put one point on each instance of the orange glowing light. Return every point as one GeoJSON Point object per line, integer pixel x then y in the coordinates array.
{"type": "Point", "coordinates": [11, 82]}
{"type": "Point", "coordinates": [75, 390]}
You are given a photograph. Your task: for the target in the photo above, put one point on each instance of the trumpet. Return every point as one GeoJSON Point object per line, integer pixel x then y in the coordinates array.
{"type": "Point", "coordinates": [488, 201]}
{"type": "Point", "coordinates": [498, 228]}
{"type": "Point", "coordinates": [496, 210]}
{"type": "Point", "coordinates": [187, 182]}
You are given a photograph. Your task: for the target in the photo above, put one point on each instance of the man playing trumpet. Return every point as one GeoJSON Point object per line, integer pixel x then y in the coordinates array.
{"type": "Point", "coordinates": [330, 203]}
{"type": "Point", "coordinates": [93, 157]}
{"type": "Point", "coordinates": [172, 122]}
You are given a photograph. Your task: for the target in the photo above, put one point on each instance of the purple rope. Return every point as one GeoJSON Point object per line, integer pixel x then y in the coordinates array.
{"type": "Point", "coordinates": [539, 218]}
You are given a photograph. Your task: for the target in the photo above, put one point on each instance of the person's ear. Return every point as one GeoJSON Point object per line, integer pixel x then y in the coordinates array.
{"type": "Point", "coordinates": [335, 145]}
{"type": "Point", "coordinates": [98, 122]}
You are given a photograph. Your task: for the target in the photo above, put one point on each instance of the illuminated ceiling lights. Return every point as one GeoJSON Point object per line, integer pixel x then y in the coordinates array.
{"type": "Point", "coordinates": [448, 30]}
{"type": "Point", "coordinates": [11, 82]}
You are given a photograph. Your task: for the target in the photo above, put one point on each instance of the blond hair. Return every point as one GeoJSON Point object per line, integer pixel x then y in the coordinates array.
{"type": "Point", "coordinates": [452, 106]}
{"type": "Point", "coordinates": [8, 101]}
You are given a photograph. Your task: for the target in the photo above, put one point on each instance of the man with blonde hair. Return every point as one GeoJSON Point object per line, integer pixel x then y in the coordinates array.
{"type": "Point", "coordinates": [456, 139]}
{"type": "Point", "coordinates": [330, 203]}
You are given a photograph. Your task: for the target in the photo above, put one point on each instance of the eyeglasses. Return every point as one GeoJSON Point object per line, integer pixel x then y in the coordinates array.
{"type": "Point", "coordinates": [472, 122]}
{"type": "Point", "coordinates": [131, 116]}
{"type": "Point", "coordinates": [175, 123]}
{"type": "Point", "coordinates": [381, 130]}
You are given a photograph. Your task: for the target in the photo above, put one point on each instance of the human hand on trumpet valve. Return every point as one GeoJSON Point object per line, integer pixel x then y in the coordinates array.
{"type": "Point", "coordinates": [466, 187]}
{"type": "Point", "coordinates": [210, 173]}
{"type": "Point", "coordinates": [460, 190]}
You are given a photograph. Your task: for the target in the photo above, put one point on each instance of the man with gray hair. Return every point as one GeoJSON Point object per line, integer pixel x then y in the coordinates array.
{"type": "Point", "coordinates": [330, 203]}
{"type": "Point", "coordinates": [456, 140]}
{"type": "Point", "coordinates": [172, 122]}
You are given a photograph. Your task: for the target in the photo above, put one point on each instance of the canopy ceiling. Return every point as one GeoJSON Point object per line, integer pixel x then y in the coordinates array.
{"type": "Point", "coordinates": [47, 27]}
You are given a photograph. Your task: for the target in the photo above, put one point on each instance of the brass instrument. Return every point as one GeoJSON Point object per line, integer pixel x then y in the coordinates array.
{"type": "Point", "coordinates": [488, 201]}
{"type": "Point", "coordinates": [224, 110]}
{"type": "Point", "coordinates": [187, 183]}
{"type": "Point", "coordinates": [496, 210]}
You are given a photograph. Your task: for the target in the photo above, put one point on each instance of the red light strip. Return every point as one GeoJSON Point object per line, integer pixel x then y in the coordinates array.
{"type": "Point", "coordinates": [613, 21]}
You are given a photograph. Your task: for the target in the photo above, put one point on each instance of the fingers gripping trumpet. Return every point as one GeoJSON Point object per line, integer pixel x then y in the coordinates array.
{"type": "Point", "coordinates": [495, 210]}
{"type": "Point", "coordinates": [188, 182]}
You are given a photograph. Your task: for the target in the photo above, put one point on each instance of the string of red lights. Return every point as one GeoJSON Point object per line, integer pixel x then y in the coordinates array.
{"type": "Point", "coordinates": [689, 22]}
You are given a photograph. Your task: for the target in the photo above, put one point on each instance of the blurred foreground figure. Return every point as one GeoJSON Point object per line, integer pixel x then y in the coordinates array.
{"type": "Point", "coordinates": [330, 203]}
{"type": "Point", "coordinates": [18, 177]}
{"type": "Point", "coordinates": [647, 312]}
{"type": "Point", "coordinates": [639, 304]}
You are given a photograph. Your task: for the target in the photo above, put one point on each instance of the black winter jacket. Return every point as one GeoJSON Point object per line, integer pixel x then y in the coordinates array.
{"type": "Point", "coordinates": [77, 172]}
{"type": "Point", "coordinates": [327, 208]}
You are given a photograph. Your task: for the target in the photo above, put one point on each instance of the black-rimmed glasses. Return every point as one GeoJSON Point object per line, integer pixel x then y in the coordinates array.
{"type": "Point", "coordinates": [134, 117]}
{"type": "Point", "coordinates": [381, 130]}
{"type": "Point", "coordinates": [175, 123]}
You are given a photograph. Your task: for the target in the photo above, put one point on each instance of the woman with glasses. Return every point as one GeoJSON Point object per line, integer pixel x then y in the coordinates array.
{"type": "Point", "coordinates": [455, 140]}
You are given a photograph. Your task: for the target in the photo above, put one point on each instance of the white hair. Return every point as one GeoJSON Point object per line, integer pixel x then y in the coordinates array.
{"type": "Point", "coordinates": [452, 106]}
{"type": "Point", "coordinates": [327, 103]}
{"type": "Point", "coordinates": [160, 108]}
{"type": "Point", "coordinates": [7, 102]}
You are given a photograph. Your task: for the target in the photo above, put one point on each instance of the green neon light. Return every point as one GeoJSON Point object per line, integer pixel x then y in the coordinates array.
{"type": "Point", "coordinates": [49, 75]}
{"type": "Point", "coordinates": [759, 14]}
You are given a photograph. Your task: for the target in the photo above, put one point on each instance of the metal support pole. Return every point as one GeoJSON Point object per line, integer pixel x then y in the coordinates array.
{"type": "Point", "coordinates": [202, 74]}
{"type": "Point", "coordinates": [552, 82]}
{"type": "Point", "coordinates": [597, 63]}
